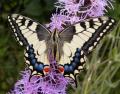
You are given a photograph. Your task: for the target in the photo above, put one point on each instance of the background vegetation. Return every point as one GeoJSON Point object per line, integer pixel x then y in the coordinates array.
{"type": "Point", "coordinates": [103, 75]}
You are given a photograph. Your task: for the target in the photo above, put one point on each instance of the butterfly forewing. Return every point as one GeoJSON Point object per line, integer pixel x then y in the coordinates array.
{"type": "Point", "coordinates": [33, 36]}
{"type": "Point", "coordinates": [26, 30]}
{"type": "Point", "coordinates": [98, 27]}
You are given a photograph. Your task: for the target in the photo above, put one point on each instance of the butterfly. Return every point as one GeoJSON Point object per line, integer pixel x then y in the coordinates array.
{"type": "Point", "coordinates": [69, 46]}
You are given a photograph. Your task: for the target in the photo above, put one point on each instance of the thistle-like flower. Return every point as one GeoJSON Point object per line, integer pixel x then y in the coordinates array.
{"type": "Point", "coordinates": [57, 20]}
{"type": "Point", "coordinates": [72, 11]}
{"type": "Point", "coordinates": [52, 83]}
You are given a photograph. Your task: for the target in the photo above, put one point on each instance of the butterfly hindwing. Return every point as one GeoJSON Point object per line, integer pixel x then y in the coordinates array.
{"type": "Point", "coordinates": [33, 36]}
{"type": "Point", "coordinates": [83, 36]}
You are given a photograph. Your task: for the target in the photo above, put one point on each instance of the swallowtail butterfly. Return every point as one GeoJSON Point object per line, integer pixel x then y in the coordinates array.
{"type": "Point", "coordinates": [69, 46]}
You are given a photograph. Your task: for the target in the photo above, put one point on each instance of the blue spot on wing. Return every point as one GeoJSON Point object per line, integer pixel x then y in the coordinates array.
{"type": "Point", "coordinates": [37, 66]}
{"type": "Point", "coordinates": [76, 60]}
{"type": "Point", "coordinates": [71, 69]}
{"type": "Point", "coordinates": [66, 68]}
{"type": "Point", "coordinates": [32, 56]}
{"type": "Point", "coordinates": [74, 64]}
{"type": "Point", "coordinates": [77, 54]}
{"type": "Point", "coordinates": [33, 61]}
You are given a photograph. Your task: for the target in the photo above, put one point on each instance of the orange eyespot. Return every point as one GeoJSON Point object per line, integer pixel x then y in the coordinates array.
{"type": "Point", "coordinates": [61, 69]}
{"type": "Point", "coordinates": [46, 69]}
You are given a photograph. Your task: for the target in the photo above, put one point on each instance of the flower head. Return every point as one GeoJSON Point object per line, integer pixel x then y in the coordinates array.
{"type": "Point", "coordinates": [57, 20]}
{"type": "Point", "coordinates": [52, 83]}
{"type": "Point", "coordinates": [72, 11]}
{"type": "Point", "coordinates": [98, 7]}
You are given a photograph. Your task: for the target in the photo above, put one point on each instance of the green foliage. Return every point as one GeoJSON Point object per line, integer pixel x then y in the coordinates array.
{"type": "Point", "coordinates": [103, 66]}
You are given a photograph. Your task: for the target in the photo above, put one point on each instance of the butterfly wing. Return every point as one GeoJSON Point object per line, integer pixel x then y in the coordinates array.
{"type": "Point", "coordinates": [98, 27]}
{"type": "Point", "coordinates": [79, 40]}
{"type": "Point", "coordinates": [33, 36]}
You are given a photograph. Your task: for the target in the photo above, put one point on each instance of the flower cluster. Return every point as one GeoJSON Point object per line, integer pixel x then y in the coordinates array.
{"type": "Point", "coordinates": [53, 83]}
{"type": "Point", "coordinates": [72, 11]}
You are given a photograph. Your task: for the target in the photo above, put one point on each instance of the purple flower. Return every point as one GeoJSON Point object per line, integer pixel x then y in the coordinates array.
{"type": "Point", "coordinates": [98, 7]}
{"type": "Point", "coordinates": [72, 11]}
{"type": "Point", "coordinates": [53, 83]}
{"type": "Point", "coordinates": [57, 20]}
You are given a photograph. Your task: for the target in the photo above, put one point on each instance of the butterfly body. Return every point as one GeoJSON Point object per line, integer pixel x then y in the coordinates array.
{"type": "Point", "coordinates": [69, 47]}
{"type": "Point", "coordinates": [54, 45]}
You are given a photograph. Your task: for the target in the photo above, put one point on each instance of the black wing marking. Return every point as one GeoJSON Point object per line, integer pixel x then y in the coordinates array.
{"type": "Point", "coordinates": [83, 36]}
{"type": "Point", "coordinates": [105, 25]}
